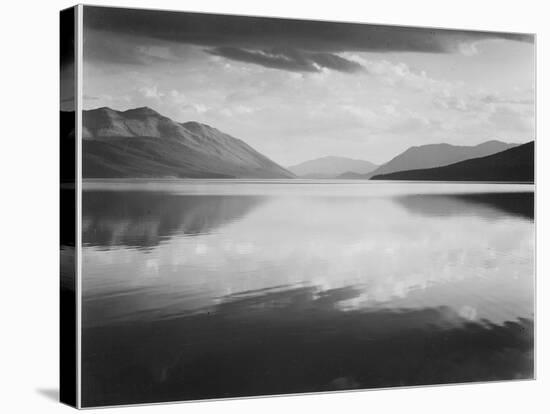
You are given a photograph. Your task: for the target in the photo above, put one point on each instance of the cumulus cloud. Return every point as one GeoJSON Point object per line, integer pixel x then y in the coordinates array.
{"type": "Point", "coordinates": [151, 92]}
{"type": "Point", "coordinates": [401, 74]}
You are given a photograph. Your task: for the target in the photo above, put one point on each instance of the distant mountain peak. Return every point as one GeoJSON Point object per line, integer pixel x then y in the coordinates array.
{"type": "Point", "coordinates": [438, 155]}
{"type": "Point", "coordinates": [331, 166]}
{"type": "Point", "coordinates": [514, 164]}
{"type": "Point", "coordinates": [447, 145]}
{"type": "Point", "coordinates": [491, 141]}
{"type": "Point", "coordinates": [336, 157]}
{"type": "Point", "coordinates": [495, 142]}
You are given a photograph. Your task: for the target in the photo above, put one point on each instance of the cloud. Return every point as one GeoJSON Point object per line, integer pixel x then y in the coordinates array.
{"type": "Point", "coordinates": [117, 51]}
{"type": "Point", "coordinates": [151, 92]}
{"type": "Point", "coordinates": [474, 102]}
{"type": "Point", "coordinates": [265, 41]}
{"type": "Point", "coordinates": [512, 120]}
{"type": "Point", "coordinates": [400, 74]}
{"type": "Point", "coordinates": [455, 103]}
{"type": "Point", "coordinates": [126, 50]}
{"type": "Point", "coordinates": [468, 48]}
{"type": "Point", "coordinates": [497, 99]}
{"type": "Point", "coordinates": [335, 62]}
{"type": "Point", "coordinates": [288, 59]}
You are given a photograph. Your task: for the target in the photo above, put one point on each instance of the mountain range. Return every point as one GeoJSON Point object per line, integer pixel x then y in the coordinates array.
{"type": "Point", "coordinates": [514, 164]}
{"type": "Point", "coordinates": [331, 167]}
{"type": "Point", "coordinates": [435, 155]}
{"type": "Point", "coordinates": [141, 142]}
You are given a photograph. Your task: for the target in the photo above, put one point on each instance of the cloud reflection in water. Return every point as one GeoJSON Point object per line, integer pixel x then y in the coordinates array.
{"type": "Point", "coordinates": [205, 295]}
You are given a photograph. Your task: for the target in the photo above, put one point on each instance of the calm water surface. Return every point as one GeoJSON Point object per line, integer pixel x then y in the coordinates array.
{"type": "Point", "coordinates": [207, 289]}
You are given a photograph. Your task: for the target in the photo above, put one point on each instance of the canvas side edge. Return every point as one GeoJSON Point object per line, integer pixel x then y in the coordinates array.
{"type": "Point", "coordinates": [68, 366]}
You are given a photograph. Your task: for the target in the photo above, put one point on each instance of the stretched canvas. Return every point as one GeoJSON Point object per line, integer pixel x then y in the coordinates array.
{"type": "Point", "coordinates": [255, 206]}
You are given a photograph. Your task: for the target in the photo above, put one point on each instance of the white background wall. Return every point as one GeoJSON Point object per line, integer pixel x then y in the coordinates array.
{"type": "Point", "coordinates": [29, 205]}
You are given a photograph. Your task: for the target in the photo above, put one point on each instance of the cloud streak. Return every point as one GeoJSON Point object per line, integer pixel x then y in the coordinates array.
{"type": "Point", "coordinates": [288, 59]}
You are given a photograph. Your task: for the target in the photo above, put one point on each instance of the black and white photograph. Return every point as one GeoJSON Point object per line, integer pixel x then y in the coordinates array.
{"type": "Point", "coordinates": [271, 206]}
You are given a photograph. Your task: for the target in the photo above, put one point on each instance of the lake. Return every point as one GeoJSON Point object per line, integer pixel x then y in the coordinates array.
{"type": "Point", "coordinates": [199, 289]}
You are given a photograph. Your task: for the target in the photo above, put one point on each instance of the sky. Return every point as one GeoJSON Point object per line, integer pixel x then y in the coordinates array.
{"type": "Point", "coordinates": [297, 90]}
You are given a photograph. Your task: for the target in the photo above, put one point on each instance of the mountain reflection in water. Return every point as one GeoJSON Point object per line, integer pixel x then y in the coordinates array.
{"type": "Point", "coordinates": [144, 219]}
{"type": "Point", "coordinates": [236, 289]}
{"type": "Point", "coordinates": [488, 205]}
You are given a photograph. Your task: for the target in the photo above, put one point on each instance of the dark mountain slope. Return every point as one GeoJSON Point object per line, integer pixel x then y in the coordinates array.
{"type": "Point", "coordinates": [515, 164]}
{"type": "Point", "coordinates": [438, 155]}
{"type": "Point", "coordinates": [142, 143]}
